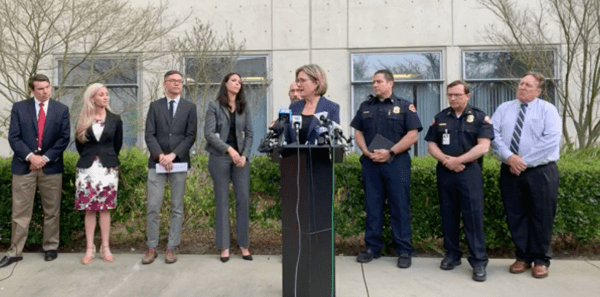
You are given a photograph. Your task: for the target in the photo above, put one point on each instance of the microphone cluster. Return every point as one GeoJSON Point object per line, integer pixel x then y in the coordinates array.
{"type": "Point", "coordinates": [329, 132]}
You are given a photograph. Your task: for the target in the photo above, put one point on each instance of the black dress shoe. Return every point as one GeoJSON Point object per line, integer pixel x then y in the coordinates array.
{"type": "Point", "coordinates": [50, 255]}
{"type": "Point", "coordinates": [479, 274]}
{"type": "Point", "coordinates": [247, 258]}
{"type": "Point", "coordinates": [449, 264]}
{"type": "Point", "coordinates": [367, 256]}
{"type": "Point", "coordinates": [9, 260]}
{"type": "Point", "coordinates": [404, 261]}
{"type": "Point", "coordinates": [224, 259]}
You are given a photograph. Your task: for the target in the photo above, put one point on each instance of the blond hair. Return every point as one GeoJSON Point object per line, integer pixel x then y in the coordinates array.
{"type": "Point", "coordinates": [86, 116]}
{"type": "Point", "coordinates": [316, 73]}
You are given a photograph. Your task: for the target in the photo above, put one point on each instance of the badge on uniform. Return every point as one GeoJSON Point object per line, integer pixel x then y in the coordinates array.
{"type": "Point", "coordinates": [412, 108]}
{"type": "Point", "coordinates": [446, 138]}
{"type": "Point", "coordinates": [487, 120]}
{"type": "Point", "coordinates": [396, 110]}
{"type": "Point", "coordinates": [470, 118]}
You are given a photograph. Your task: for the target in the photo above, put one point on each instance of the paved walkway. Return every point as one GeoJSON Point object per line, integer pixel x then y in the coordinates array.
{"type": "Point", "coordinates": [205, 275]}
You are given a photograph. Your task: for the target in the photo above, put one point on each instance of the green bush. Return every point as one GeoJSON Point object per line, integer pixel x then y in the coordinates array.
{"type": "Point", "coordinates": [577, 219]}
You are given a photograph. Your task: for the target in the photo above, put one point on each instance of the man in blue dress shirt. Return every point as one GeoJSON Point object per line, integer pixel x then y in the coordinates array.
{"type": "Point", "coordinates": [527, 134]}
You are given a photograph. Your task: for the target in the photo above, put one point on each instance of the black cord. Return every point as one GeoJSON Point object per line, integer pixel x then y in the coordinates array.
{"type": "Point", "coordinates": [298, 220]}
{"type": "Point", "coordinates": [11, 273]}
{"type": "Point", "coordinates": [364, 278]}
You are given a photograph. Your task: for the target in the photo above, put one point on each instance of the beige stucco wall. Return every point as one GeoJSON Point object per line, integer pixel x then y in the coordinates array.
{"type": "Point", "coordinates": [326, 32]}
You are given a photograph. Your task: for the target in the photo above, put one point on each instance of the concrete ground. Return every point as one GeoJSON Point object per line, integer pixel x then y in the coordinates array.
{"type": "Point", "coordinates": [205, 275]}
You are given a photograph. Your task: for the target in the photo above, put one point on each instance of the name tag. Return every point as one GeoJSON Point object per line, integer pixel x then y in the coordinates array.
{"type": "Point", "coordinates": [446, 138]}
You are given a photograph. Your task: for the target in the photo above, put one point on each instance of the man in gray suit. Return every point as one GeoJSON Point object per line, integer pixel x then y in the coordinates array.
{"type": "Point", "coordinates": [171, 127]}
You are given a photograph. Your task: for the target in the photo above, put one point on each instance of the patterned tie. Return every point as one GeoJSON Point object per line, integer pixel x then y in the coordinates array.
{"type": "Point", "coordinates": [516, 137]}
{"type": "Point", "coordinates": [171, 104]}
{"type": "Point", "coordinates": [41, 122]}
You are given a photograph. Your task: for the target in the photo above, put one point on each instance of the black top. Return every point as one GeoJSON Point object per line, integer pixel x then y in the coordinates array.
{"type": "Point", "coordinates": [392, 118]}
{"type": "Point", "coordinates": [462, 132]}
{"type": "Point", "coordinates": [231, 138]}
{"type": "Point", "coordinates": [106, 148]}
{"type": "Point", "coordinates": [304, 128]}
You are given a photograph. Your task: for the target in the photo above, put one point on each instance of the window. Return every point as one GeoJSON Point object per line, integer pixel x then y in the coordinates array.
{"type": "Point", "coordinates": [417, 78]}
{"type": "Point", "coordinates": [204, 79]}
{"type": "Point", "coordinates": [120, 78]}
{"type": "Point", "coordinates": [494, 76]}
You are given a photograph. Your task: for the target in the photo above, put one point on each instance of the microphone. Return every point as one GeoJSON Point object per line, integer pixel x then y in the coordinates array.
{"type": "Point", "coordinates": [285, 115]}
{"type": "Point", "coordinates": [284, 118]}
{"type": "Point", "coordinates": [320, 115]}
{"type": "Point", "coordinates": [297, 122]}
{"type": "Point", "coordinates": [323, 138]}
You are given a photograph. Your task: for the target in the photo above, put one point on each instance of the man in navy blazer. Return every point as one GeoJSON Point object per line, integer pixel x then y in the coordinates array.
{"type": "Point", "coordinates": [38, 134]}
{"type": "Point", "coordinates": [171, 128]}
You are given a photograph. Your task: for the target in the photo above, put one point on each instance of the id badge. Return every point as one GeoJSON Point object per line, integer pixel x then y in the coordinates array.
{"type": "Point", "coordinates": [446, 138]}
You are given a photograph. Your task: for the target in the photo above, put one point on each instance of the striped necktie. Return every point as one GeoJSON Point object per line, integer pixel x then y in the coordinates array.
{"type": "Point", "coordinates": [516, 137]}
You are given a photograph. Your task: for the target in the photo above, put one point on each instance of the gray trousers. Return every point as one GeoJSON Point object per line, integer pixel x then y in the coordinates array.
{"type": "Point", "coordinates": [156, 192]}
{"type": "Point", "coordinates": [222, 170]}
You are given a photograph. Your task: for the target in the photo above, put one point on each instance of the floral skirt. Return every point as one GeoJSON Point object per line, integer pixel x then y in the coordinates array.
{"type": "Point", "coordinates": [96, 187]}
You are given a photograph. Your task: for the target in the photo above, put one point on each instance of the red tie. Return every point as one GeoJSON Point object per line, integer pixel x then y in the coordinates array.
{"type": "Point", "coordinates": [41, 123]}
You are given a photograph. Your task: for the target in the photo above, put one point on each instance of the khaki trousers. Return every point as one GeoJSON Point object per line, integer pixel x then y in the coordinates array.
{"type": "Point", "coordinates": [23, 194]}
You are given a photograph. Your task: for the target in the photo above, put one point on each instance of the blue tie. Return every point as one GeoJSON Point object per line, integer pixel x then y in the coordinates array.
{"type": "Point", "coordinates": [516, 137]}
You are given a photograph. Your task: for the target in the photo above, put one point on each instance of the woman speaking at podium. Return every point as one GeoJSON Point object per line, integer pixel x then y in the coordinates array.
{"type": "Point", "coordinates": [312, 85]}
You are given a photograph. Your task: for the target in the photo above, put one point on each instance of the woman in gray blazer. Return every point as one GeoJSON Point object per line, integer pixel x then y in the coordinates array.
{"type": "Point", "coordinates": [228, 133]}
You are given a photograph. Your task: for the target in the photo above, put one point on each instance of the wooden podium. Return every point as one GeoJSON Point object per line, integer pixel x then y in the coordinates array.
{"type": "Point", "coordinates": [306, 216]}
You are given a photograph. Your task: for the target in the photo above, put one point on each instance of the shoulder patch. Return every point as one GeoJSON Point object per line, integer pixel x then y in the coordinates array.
{"type": "Point", "coordinates": [412, 108]}
{"type": "Point", "coordinates": [487, 120]}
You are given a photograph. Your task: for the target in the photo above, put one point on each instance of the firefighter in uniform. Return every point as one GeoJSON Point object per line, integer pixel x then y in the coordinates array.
{"type": "Point", "coordinates": [386, 171]}
{"type": "Point", "coordinates": [458, 138]}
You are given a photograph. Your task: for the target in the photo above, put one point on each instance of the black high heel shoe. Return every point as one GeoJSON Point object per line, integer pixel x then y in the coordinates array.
{"type": "Point", "coordinates": [224, 259]}
{"type": "Point", "coordinates": [248, 257]}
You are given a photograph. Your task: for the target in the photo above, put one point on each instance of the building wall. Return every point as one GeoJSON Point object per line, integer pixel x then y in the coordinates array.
{"type": "Point", "coordinates": [327, 32]}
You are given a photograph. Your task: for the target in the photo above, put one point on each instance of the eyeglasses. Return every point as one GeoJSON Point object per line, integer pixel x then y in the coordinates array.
{"type": "Point", "coordinates": [454, 95]}
{"type": "Point", "coordinates": [175, 81]}
{"type": "Point", "coordinates": [301, 80]}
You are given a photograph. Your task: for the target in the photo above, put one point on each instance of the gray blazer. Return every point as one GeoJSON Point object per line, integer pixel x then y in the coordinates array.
{"type": "Point", "coordinates": [164, 136]}
{"type": "Point", "coordinates": [216, 130]}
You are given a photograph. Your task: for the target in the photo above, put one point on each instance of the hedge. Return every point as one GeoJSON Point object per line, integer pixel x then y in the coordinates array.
{"type": "Point", "coordinates": [578, 213]}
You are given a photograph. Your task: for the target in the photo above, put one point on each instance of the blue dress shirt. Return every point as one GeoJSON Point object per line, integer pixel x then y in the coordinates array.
{"type": "Point", "coordinates": [540, 138]}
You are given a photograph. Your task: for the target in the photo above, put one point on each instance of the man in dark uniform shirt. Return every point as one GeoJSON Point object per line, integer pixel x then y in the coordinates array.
{"type": "Point", "coordinates": [386, 171]}
{"type": "Point", "coordinates": [458, 138]}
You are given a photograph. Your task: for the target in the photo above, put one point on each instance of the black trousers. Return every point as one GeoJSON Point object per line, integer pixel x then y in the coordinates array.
{"type": "Point", "coordinates": [530, 206]}
{"type": "Point", "coordinates": [462, 192]}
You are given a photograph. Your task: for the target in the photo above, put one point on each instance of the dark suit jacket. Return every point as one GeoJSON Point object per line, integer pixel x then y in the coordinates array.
{"type": "Point", "coordinates": [332, 109]}
{"type": "Point", "coordinates": [216, 130]}
{"type": "Point", "coordinates": [107, 148]}
{"type": "Point", "coordinates": [22, 135]}
{"type": "Point", "coordinates": [164, 136]}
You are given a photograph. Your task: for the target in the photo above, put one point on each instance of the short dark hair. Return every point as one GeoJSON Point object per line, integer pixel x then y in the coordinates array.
{"type": "Point", "coordinates": [36, 77]}
{"type": "Point", "coordinates": [171, 72]}
{"type": "Point", "coordinates": [388, 75]}
{"type": "Point", "coordinates": [459, 82]}
{"type": "Point", "coordinates": [540, 79]}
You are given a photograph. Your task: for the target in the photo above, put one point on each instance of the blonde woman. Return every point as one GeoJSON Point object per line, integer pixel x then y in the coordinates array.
{"type": "Point", "coordinates": [99, 137]}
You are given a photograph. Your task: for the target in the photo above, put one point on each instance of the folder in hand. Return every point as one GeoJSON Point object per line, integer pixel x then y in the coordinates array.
{"type": "Point", "coordinates": [380, 142]}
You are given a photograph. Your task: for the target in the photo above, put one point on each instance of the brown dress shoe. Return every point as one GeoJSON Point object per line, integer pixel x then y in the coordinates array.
{"type": "Point", "coordinates": [149, 256]}
{"type": "Point", "coordinates": [519, 267]}
{"type": "Point", "coordinates": [171, 256]}
{"type": "Point", "coordinates": [539, 271]}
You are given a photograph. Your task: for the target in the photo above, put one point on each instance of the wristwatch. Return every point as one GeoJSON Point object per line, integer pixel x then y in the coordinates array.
{"type": "Point", "coordinates": [392, 153]}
